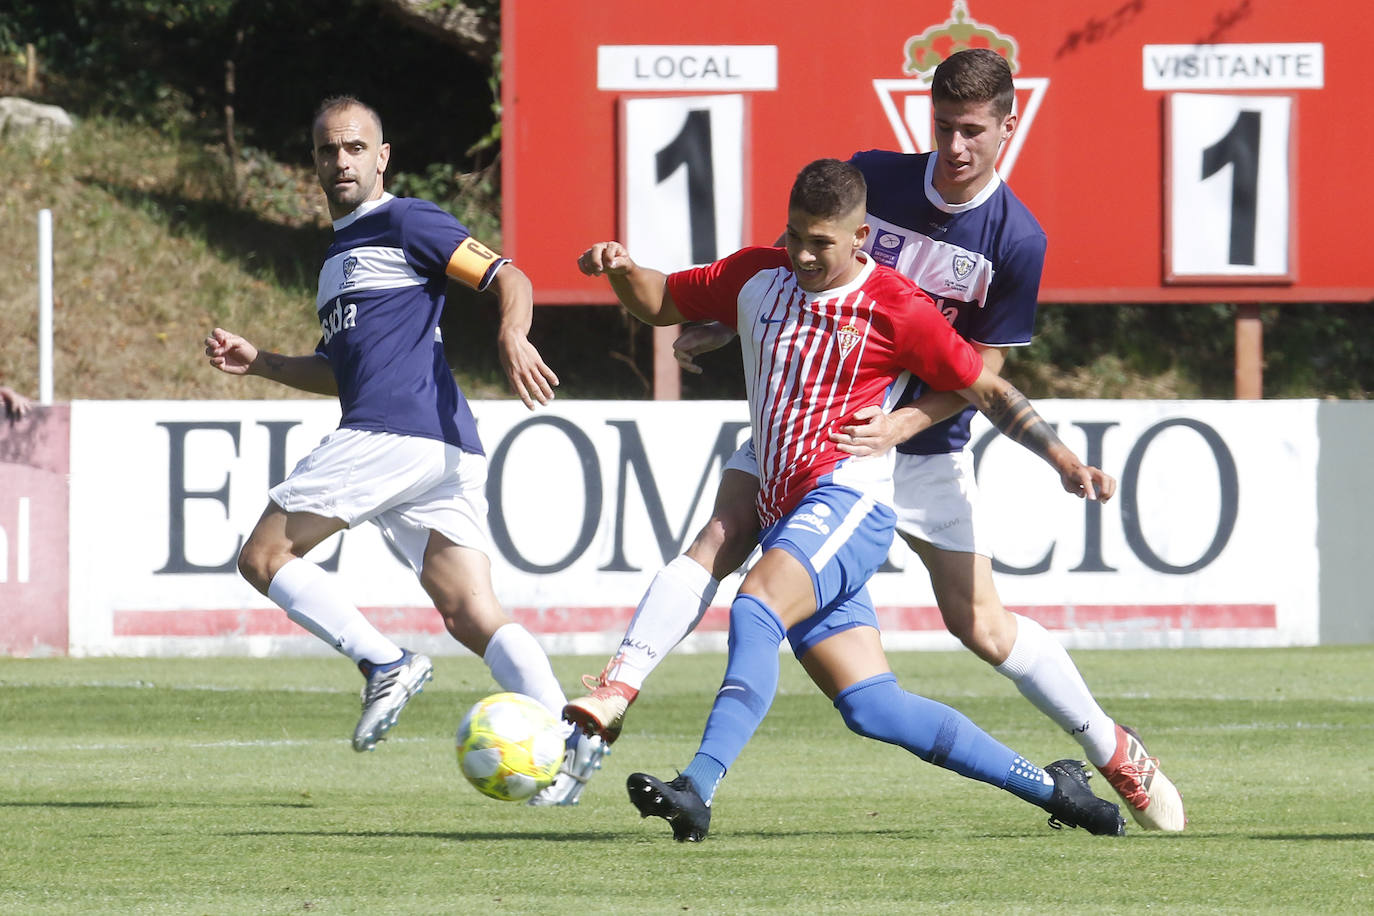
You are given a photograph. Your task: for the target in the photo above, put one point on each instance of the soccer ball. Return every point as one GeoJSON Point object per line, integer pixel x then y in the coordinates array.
{"type": "Point", "coordinates": [509, 746]}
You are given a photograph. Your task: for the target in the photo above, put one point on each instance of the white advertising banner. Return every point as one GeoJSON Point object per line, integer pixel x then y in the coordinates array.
{"type": "Point", "coordinates": [1211, 540]}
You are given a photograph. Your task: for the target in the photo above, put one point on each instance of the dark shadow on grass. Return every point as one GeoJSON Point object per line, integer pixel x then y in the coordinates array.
{"type": "Point", "coordinates": [619, 836]}
{"type": "Point", "coordinates": [136, 804]}
{"type": "Point", "coordinates": [1290, 837]}
{"type": "Point", "coordinates": [80, 804]}
{"type": "Point", "coordinates": [288, 256]}
{"type": "Point", "coordinates": [452, 835]}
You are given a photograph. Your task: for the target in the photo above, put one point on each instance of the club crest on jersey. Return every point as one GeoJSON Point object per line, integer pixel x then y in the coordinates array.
{"type": "Point", "coordinates": [847, 337]}
{"type": "Point", "coordinates": [963, 266]}
{"type": "Point", "coordinates": [349, 265]}
{"type": "Point", "coordinates": [886, 247]}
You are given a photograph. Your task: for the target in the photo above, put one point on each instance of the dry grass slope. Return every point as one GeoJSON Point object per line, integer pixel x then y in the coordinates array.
{"type": "Point", "coordinates": [148, 256]}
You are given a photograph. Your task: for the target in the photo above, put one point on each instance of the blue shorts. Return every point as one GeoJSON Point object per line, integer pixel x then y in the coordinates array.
{"type": "Point", "coordinates": [841, 536]}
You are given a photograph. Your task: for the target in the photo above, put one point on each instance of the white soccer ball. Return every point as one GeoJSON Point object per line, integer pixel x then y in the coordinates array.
{"type": "Point", "coordinates": [509, 746]}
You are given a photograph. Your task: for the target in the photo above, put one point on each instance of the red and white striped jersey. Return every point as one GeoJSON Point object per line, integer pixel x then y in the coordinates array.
{"type": "Point", "coordinates": [812, 359]}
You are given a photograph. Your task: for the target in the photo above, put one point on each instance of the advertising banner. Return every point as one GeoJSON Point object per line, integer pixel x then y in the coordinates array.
{"type": "Point", "coordinates": [1211, 540]}
{"type": "Point", "coordinates": [33, 533]}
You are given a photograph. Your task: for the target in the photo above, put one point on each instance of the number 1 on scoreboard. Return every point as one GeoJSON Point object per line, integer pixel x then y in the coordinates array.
{"type": "Point", "coordinates": [682, 184]}
{"type": "Point", "coordinates": [1229, 177]}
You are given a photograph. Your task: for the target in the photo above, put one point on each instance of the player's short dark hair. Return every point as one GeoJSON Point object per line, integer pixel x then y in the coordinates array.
{"type": "Point", "coordinates": [336, 102]}
{"type": "Point", "coordinates": [975, 75]}
{"type": "Point", "coordinates": [829, 188]}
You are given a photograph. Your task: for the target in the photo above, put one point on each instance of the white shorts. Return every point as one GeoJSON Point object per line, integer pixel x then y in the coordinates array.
{"type": "Point", "coordinates": [407, 486]}
{"type": "Point", "coordinates": [937, 502]}
{"type": "Point", "coordinates": [744, 459]}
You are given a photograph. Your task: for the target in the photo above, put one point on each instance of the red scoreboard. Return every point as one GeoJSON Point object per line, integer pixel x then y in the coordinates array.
{"type": "Point", "coordinates": [1173, 150]}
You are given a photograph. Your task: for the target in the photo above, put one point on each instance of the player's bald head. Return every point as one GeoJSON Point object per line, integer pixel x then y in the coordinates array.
{"type": "Point", "coordinates": [338, 103]}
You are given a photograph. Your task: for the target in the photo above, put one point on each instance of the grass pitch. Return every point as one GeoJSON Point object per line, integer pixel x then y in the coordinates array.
{"type": "Point", "coordinates": [229, 786]}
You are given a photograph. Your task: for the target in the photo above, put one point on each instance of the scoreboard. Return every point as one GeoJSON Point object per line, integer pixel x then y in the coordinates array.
{"type": "Point", "coordinates": [1173, 150]}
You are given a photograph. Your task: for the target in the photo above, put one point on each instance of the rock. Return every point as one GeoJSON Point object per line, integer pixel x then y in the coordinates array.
{"type": "Point", "coordinates": [39, 125]}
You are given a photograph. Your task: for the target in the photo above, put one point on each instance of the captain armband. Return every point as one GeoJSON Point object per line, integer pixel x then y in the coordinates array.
{"type": "Point", "coordinates": [472, 263]}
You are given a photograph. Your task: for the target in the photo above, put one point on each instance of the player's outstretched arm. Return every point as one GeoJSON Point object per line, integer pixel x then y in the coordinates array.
{"type": "Point", "coordinates": [234, 355]}
{"type": "Point", "coordinates": [530, 378]}
{"type": "Point", "coordinates": [1012, 414]}
{"type": "Point", "coordinates": [642, 290]}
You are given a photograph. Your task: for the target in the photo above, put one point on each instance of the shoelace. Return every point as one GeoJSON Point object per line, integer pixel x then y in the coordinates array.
{"type": "Point", "coordinates": [1129, 780]}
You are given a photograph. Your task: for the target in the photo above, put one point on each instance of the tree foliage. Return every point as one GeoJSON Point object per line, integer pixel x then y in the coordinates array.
{"type": "Point", "coordinates": [163, 62]}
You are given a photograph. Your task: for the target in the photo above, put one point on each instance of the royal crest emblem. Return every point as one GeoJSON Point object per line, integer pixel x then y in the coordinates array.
{"type": "Point", "coordinates": [907, 104]}
{"type": "Point", "coordinates": [963, 266]}
{"type": "Point", "coordinates": [959, 32]}
{"type": "Point", "coordinates": [847, 336]}
{"type": "Point", "coordinates": [350, 264]}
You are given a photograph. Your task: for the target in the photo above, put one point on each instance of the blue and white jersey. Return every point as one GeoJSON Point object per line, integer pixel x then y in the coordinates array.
{"type": "Point", "coordinates": [380, 297]}
{"type": "Point", "coordinates": [980, 261]}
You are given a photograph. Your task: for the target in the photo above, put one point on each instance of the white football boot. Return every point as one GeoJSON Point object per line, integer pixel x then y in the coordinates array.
{"type": "Point", "coordinates": [386, 693]}
{"type": "Point", "coordinates": [1150, 796]}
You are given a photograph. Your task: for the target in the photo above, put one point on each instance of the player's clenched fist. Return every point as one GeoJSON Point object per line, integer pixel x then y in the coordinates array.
{"type": "Point", "coordinates": [229, 352]}
{"type": "Point", "coordinates": [605, 258]}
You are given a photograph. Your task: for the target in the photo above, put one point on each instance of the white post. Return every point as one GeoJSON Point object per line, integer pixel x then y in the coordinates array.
{"type": "Point", "coordinates": [45, 306]}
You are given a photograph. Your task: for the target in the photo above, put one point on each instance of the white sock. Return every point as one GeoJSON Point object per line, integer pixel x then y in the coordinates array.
{"type": "Point", "coordinates": [314, 600]}
{"type": "Point", "coordinates": [519, 664]}
{"type": "Point", "coordinates": [671, 608]}
{"type": "Point", "coordinates": [1042, 670]}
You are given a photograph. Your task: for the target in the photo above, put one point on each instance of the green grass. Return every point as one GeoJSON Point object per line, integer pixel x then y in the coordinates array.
{"type": "Point", "coordinates": [228, 786]}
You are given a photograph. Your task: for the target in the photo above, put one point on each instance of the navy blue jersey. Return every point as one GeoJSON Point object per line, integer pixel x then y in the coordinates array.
{"type": "Point", "coordinates": [980, 261]}
{"type": "Point", "coordinates": [380, 296]}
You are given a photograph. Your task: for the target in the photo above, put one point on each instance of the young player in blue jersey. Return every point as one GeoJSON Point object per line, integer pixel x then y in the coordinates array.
{"type": "Point", "coordinates": [406, 455]}
{"type": "Point", "coordinates": [946, 220]}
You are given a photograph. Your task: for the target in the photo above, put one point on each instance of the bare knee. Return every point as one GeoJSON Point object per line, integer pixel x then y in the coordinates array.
{"type": "Point", "coordinates": [256, 564]}
{"type": "Point", "coordinates": [723, 544]}
{"type": "Point", "coordinates": [988, 630]}
{"type": "Point", "coordinates": [277, 539]}
{"type": "Point", "coordinates": [458, 581]}
{"type": "Point", "coordinates": [968, 600]}
{"type": "Point", "coordinates": [726, 541]}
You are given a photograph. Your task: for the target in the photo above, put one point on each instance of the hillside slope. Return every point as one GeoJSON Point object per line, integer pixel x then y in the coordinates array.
{"type": "Point", "coordinates": [152, 251]}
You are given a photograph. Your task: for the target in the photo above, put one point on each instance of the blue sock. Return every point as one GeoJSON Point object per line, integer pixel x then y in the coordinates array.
{"type": "Point", "coordinates": [751, 680]}
{"type": "Point", "coordinates": [704, 773]}
{"type": "Point", "coordinates": [878, 708]}
{"type": "Point", "coordinates": [1028, 781]}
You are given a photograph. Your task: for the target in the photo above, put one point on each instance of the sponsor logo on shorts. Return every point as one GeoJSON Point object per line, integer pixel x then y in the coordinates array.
{"type": "Point", "coordinates": [809, 521]}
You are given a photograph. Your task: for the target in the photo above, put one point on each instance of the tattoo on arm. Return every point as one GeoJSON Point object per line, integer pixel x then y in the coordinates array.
{"type": "Point", "coordinates": [1014, 416]}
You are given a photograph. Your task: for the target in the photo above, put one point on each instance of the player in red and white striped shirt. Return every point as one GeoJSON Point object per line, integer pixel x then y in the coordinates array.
{"type": "Point", "coordinates": [825, 332]}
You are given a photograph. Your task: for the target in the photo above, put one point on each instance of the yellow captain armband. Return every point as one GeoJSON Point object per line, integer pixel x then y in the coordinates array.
{"type": "Point", "coordinates": [470, 263]}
